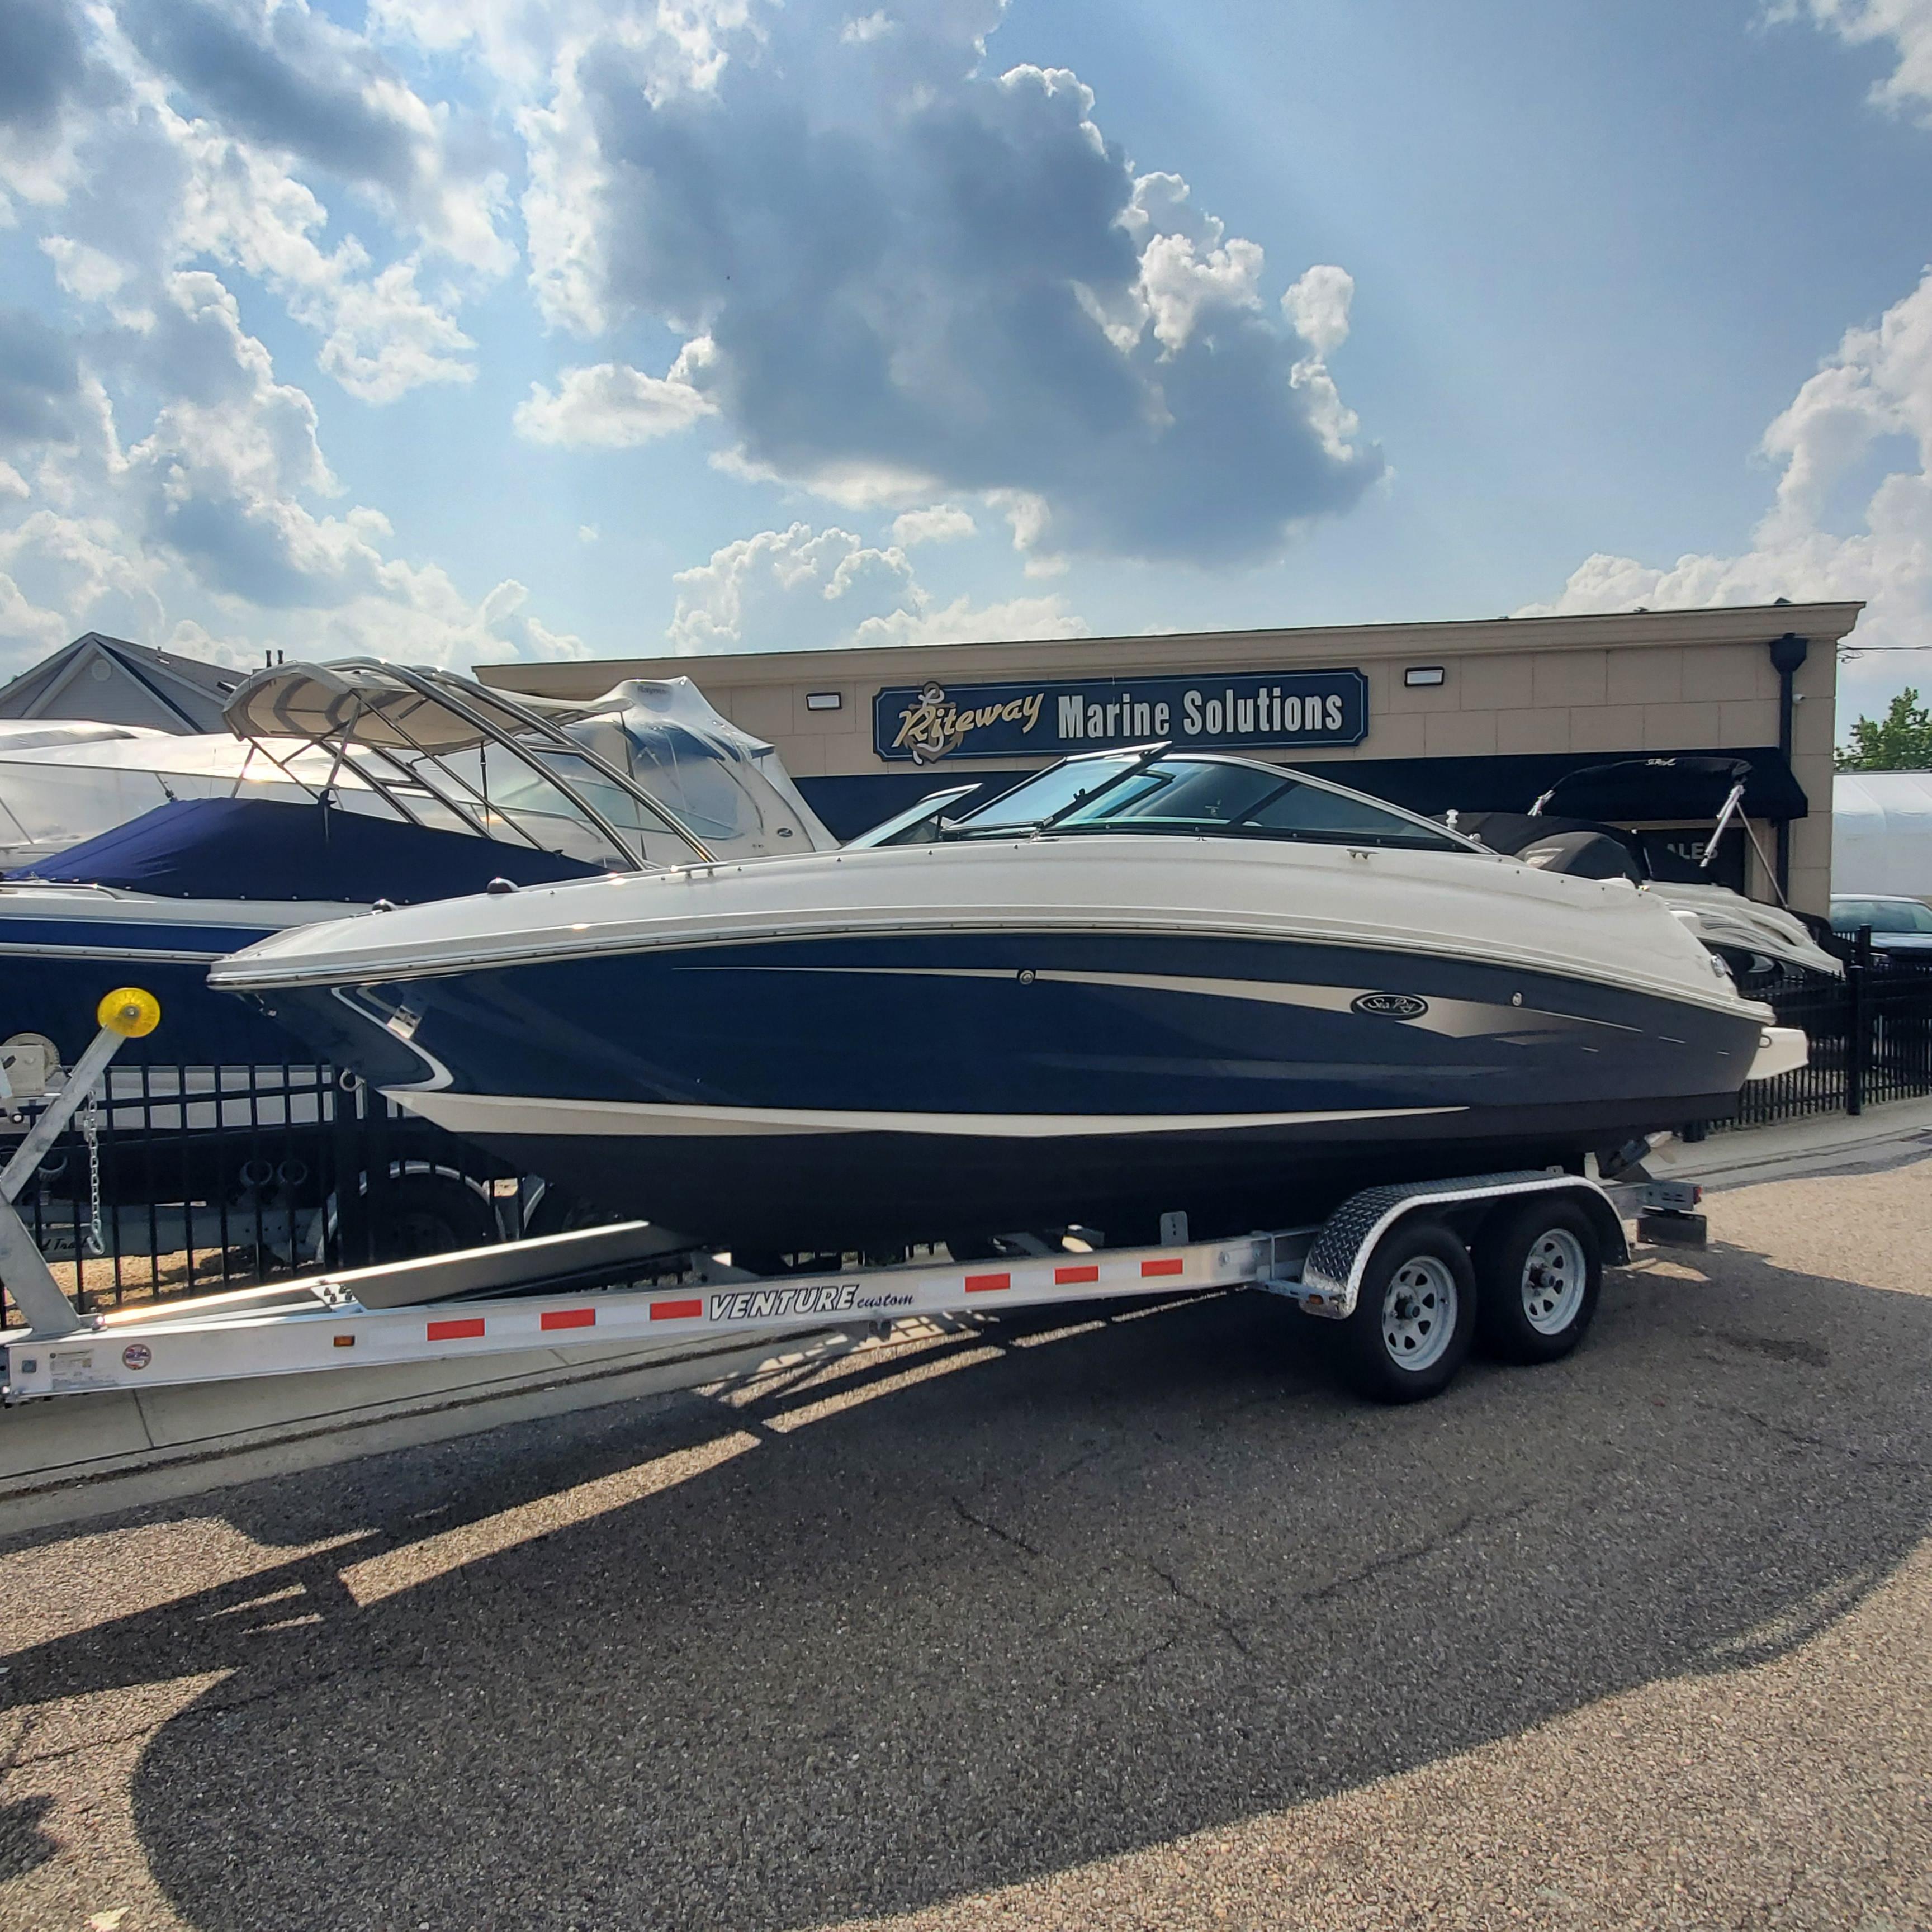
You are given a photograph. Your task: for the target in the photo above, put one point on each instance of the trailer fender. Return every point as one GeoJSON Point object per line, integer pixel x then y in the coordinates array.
{"type": "Point", "coordinates": [1331, 1276]}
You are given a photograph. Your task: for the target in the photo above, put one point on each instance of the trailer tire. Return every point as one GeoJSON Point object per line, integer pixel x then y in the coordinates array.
{"type": "Point", "coordinates": [417, 1215]}
{"type": "Point", "coordinates": [1540, 1272]}
{"type": "Point", "coordinates": [1414, 1315]}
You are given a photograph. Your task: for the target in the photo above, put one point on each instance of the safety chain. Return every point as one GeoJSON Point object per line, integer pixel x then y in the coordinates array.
{"type": "Point", "coordinates": [90, 1132]}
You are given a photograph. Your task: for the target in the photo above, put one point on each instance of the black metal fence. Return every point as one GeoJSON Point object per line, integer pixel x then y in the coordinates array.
{"type": "Point", "coordinates": [186, 1180]}
{"type": "Point", "coordinates": [1870, 1037]}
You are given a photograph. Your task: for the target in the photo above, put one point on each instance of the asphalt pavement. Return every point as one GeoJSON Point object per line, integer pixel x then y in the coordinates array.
{"type": "Point", "coordinates": [1129, 1621]}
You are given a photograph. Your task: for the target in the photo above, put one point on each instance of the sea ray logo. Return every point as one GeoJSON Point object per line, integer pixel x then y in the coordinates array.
{"type": "Point", "coordinates": [1389, 1006]}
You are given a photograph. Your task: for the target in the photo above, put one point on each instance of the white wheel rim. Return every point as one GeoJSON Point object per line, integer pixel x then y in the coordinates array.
{"type": "Point", "coordinates": [1419, 1313]}
{"type": "Point", "coordinates": [1553, 1273]}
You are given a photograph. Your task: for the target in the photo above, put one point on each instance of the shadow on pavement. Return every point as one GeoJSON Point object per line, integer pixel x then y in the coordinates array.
{"type": "Point", "coordinates": [1093, 1591]}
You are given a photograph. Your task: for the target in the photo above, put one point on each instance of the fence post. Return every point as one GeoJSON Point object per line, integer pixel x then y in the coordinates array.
{"type": "Point", "coordinates": [1858, 1044]}
{"type": "Point", "coordinates": [351, 1207]}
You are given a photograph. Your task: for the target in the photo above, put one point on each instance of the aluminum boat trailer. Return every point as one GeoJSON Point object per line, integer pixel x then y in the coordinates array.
{"type": "Point", "coordinates": [1409, 1275]}
{"type": "Point", "coordinates": [1406, 1275]}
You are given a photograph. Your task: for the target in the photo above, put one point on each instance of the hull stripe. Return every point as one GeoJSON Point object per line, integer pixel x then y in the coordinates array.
{"type": "Point", "coordinates": [1460, 1019]}
{"type": "Point", "coordinates": [510, 1114]}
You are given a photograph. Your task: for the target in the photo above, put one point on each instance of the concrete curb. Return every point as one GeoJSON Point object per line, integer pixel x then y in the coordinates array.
{"type": "Point", "coordinates": [1820, 1145]}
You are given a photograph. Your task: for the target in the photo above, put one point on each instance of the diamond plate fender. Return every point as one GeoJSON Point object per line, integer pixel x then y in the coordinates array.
{"type": "Point", "coordinates": [1331, 1276]}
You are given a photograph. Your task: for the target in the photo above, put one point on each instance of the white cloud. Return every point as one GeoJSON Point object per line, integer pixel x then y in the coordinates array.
{"type": "Point", "coordinates": [1188, 267]}
{"type": "Point", "coordinates": [1317, 306]}
{"type": "Point", "coordinates": [1905, 24]}
{"type": "Point", "coordinates": [1875, 391]}
{"type": "Point", "coordinates": [799, 590]}
{"type": "Point", "coordinates": [921, 278]}
{"type": "Point", "coordinates": [22, 620]}
{"type": "Point", "coordinates": [382, 335]}
{"type": "Point", "coordinates": [942, 523]}
{"type": "Point", "coordinates": [209, 520]}
{"type": "Point", "coordinates": [612, 406]}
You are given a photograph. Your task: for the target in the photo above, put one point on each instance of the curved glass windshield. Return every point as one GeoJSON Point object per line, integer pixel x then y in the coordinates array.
{"type": "Point", "coordinates": [1227, 796]}
{"type": "Point", "coordinates": [1044, 797]}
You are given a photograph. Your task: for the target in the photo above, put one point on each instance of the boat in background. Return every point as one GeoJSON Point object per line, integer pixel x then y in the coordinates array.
{"type": "Point", "coordinates": [348, 785]}
{"type": "Point", "coordinates": [1761, 944]}
{"type": "Point", "coordinates": [1140, 983]}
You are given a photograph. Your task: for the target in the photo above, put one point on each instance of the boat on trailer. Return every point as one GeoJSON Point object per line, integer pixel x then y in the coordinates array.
{"type": "Point", "coordinates": [1140, 983]}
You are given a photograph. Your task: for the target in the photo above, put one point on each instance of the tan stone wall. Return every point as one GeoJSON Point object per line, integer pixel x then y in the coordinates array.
{"type": "Point", "coordinates": [1662, 681]}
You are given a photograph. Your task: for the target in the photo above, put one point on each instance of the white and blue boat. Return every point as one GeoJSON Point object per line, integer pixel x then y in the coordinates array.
{"type": "Point", "coordinates": [1139, 982]}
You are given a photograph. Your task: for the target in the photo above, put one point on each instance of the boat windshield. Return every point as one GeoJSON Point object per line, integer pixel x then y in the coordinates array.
{"type": "Point", "coordinates": [1041, 798]}
{"type": "Point", "coordinates": [1204, 797]}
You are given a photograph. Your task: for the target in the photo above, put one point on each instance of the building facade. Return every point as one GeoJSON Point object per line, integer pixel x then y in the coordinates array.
{"type": "Point", "coordinates": [1474, 716]}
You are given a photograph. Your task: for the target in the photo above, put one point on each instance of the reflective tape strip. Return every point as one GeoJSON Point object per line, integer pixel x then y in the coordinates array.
{"type": "Point", "coordinates": [1062, 1276]}
{"type": "Point", "coordinates": [675, 1311]}
{"type": "Point", "coordinates": [986, 1284]}
{"type": "Point", "coordinates": [569, 1318]}
{"type": "Point", "coordinates": [1168, 1265]}
{"type": "Point", "coordinates": [455, 1331]}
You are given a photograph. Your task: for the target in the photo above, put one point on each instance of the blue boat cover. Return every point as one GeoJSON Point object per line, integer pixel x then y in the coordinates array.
{"type": "Point", "coordinates": [252, 848]}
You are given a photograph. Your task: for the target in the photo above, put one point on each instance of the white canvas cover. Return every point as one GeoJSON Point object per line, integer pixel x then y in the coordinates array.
{"type": "Point", "coordinates": [1882, 833]}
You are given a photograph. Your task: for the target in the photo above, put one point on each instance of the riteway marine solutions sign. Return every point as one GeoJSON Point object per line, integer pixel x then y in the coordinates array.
{"type": "Point", "coordinates": [923, 723]}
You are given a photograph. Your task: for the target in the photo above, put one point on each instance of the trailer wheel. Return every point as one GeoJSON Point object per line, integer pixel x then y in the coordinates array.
{"type": "Point", "coordinates": [1413, 1317]}
{"type": "Point", "coordinates": [1541, 1266]}
{"type": "Point", "coordinates": [420, 1214]}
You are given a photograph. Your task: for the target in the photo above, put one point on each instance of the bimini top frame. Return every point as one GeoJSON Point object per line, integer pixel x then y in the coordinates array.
{"type": "Point", "coordinates": [394, 726]}
{"type": "Point", "coordinates": [1733, 773]}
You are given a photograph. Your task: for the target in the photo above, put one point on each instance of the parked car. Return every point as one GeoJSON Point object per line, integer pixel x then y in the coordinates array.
{"type": "Point", "coordinates": [1900, 928]}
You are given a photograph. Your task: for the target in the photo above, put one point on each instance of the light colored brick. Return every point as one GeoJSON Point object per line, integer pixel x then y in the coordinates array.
{"type": "Point", "coordinates": [1397, 696]}
{"type": "Point", "coordinates": [805, 757]}
{"type": "Point", "coordinates": [1682, 727]}
{"type": "Point", "coordinates": [1569, 677]}
{"type": "Point", "coordinates": [1498, 683]}
{"type": "Point", "coordinates": [1645, 677]}
{"type": "Point", "coordinates": [1460, 734]}
{"type": "Point", "coordinates": [1811, 841]}
{"type": "Point", "coordinates": [1811, 889]}
{"type": "Point", "coordinates": [1397, 737]}
{"type": "Point", "coordinates": [842, 757]}
{"type": "Point", "coordinates": [1606, 727]}
{"type": "Point", "coordinates": [1727, 672]}
{"type": "Point", "coordinates": [763, 709]}
{"type": "Point", "coordinates": [1520, 732]}
{"type": "Point", "coordinates": [1750, 721]}
{"type": "Point", "coordinates": [1811, 727]}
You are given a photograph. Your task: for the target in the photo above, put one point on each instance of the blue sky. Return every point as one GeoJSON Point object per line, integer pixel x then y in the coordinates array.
{"type": "Point", "coordinates": [452, 330]}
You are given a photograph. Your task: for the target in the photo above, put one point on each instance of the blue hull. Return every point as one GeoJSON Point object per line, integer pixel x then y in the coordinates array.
{"type": "Point", "coordinates": [838, 1092]}
{"type": "Point", "coordinates": [53, 978]}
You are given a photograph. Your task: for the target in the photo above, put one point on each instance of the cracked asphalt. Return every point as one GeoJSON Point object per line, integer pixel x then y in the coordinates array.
{"type": "Point", "coordinates": [1130, 1621]}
